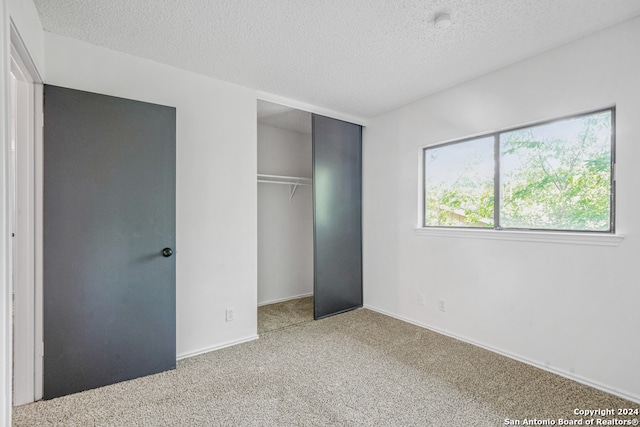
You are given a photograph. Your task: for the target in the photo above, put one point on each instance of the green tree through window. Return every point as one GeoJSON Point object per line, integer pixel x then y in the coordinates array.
{"type": "Point", "coordinates": [459, 184]}
{"type": "Point", "coordinates": [552, 176]}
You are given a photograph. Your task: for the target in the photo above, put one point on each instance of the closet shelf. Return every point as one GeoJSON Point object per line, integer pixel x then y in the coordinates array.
{"type": "Point", "coordinates": [280, 179]}
{"type": "Point", "coordinates": [292, 181]}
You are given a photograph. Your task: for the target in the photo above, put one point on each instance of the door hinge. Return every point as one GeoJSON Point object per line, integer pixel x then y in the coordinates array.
{"type": "Point", "coordinates": [42, 349]}
{"type": "Point", "coordinates": [42, 120]}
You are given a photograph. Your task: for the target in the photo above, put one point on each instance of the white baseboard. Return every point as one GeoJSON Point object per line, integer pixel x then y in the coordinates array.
{"type": "Point", "coordinates": [215, 347]}
{"type": "Point", "coordinates": [562, 373]}
{"type": "Point", "coordinates": [284, 299]}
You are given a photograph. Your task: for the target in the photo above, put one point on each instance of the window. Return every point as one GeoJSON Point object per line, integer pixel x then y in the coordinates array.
{"type": "Point", "coordinates": [556, 175]}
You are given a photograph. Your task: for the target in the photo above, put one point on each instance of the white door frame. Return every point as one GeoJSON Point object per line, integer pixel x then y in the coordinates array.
{"type": "Point", "coordinates": [27, 245]}
{"type": "Point", "coordinates": [5, 240]}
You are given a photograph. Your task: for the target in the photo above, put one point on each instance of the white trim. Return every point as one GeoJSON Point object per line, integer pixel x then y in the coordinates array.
{"type": "Point", "coordinates": [560, 372]}
{"type": "Point", "coordinates": [5, 241]}
{"type": "Point", "coordinates": [274, 301]}
{"type": "Point", "coordinates": [421, 187]}
{"type": "Point", "coordinates": [24, 262]}
{"type": "Point", "coordinates": [216, 347]}
{"type": "Point", "coordinates": [287, 102]}
{"type": "Point", "coordinates": [19, 45]}
{"type": "Point", "coordinates": [594, 239]}
{"type": "Point", "coordinates": [27, 318]}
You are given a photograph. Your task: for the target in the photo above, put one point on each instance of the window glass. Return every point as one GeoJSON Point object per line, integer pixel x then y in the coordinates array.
{"type": "Point", "coordinates": [552, 176]}
{"type": "Point", "coordinates": [557, 176]}
{"type": "Point", "coordinates": [459, 184]}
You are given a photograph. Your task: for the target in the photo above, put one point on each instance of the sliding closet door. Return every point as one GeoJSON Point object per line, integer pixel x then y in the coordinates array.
{"type": "Point", "coordinates": [337, 207]}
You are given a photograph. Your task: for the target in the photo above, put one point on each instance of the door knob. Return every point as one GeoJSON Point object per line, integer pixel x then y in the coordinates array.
{"type": "Point", "coordinates": [167, 252]}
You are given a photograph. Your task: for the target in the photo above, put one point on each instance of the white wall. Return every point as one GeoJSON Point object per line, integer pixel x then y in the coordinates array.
{"type": "Point", "coordinates": [569, 308]}
{"type": "Point", "coordinates": [285, 228]}
{"type": "Point", "coordinates": [284, 152]}
{"type": "Point", "coordinates": [216, 188]}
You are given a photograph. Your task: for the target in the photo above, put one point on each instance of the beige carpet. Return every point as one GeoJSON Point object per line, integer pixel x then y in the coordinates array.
{"type": "Point", "coordinates": [356, 369]}
{"type": "Point", "coordinates": [274, 317]}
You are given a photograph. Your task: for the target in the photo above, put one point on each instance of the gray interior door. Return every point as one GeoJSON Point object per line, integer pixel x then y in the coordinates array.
{"type": "Point", "coordinates": [337, 216]}
{"type": "Point", "coordinates": [109, 211]}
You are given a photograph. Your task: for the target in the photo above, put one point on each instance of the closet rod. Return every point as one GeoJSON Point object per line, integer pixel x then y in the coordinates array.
{"type": "Point", "coordinates": [283, 182]}
{"type": "Point", "coordinates": [282, 178]}
{"type": "Point", "coordinates": [292, 181]}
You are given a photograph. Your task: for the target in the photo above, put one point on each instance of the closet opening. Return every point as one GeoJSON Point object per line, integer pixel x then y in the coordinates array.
{"type": "Point", "coordinates": [285, 217]}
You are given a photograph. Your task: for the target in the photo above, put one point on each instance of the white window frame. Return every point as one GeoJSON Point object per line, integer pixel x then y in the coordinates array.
{"type": "Point", "coordinates": [597, 238]}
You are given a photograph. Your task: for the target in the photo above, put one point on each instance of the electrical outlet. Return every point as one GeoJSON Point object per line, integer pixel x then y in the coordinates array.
{"type": "Point", "coordinates": [230, 315]}
{"type": "Point", "coordinates": [442, 305]}
{"type": "Point", "coordinates": [421, 299]}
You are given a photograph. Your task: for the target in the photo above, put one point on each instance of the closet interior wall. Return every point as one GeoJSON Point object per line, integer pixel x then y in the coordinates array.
{"type": "Point", "coordinates": [285, 222]}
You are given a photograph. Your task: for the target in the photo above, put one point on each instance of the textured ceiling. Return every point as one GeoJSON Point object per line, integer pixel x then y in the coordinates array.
{"type": "Point", "coordinates": [358, 57]}
{"type": "Point", "coordinates": [284, 117]}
